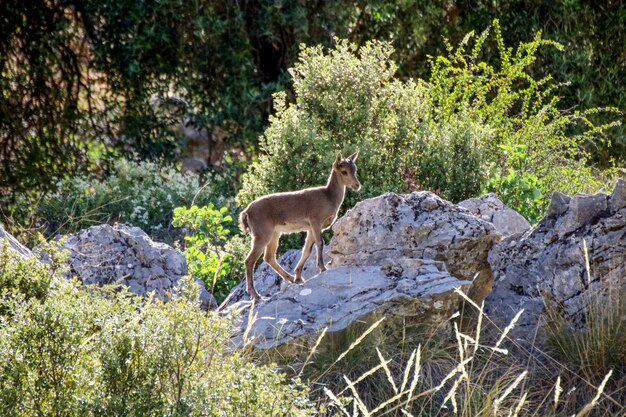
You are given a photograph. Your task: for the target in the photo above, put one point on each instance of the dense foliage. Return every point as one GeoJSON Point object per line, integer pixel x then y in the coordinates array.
{"type": "Point", "coordinates": [27, 278]}
{"type": "Point", "coordinates": [94, 352]}
{"type": "Point", "coordinates": [451, 134]}
{"type": "Point", "coordinates": [77, 77]}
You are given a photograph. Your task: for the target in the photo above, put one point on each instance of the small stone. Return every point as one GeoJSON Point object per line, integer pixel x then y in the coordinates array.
{"type": "Point", "coordinates": [583, 208]}
{"type": "Point", "coordinates": [507, 221]}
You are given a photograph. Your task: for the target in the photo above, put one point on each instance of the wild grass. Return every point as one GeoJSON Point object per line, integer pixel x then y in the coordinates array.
{"type": "Point", "coordinates": [479, 372]}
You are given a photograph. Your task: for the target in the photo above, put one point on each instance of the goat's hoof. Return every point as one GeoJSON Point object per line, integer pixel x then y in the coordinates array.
{"type": "Point", "coordinates": [257, 297]}
{"type": "Point", "coordinates": [322, 268]}
{"type": "Point", "coordinates": [260, 298]}
{"type": "Point", "coordinates": [299, 281]}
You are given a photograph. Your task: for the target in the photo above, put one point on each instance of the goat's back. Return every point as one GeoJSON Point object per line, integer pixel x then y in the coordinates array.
{"type": "Point", "coordinates": [289, 211]}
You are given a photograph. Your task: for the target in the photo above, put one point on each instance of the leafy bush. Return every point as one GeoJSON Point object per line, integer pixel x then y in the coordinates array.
{"type": "Point", "coordinates": [142, 194]}
{"type": "Point", "coordinates": [212, 255]}
{"type": "Point", "coordinates": [28, 278]}
{"type": "Point", "coordinates": [445, 134]}
{"type": "Point", "coordinates": [100, 352]}
{"type": "Point", "coordinates": [518, 191]}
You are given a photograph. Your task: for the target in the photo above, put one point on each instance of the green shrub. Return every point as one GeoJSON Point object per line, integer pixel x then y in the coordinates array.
{"type": "Point", "coordinates": [212, 254]}
{"type": "Point", "coordinates": [446, 134]}
{"type": "Point", "coordinates": [519, 191]}
{"type": "Point", "coordinates": [27, 278]}
{"type": "Point", "coordinates": [141, 194]}
{"type": "Point", "coordinates": [102, 352]}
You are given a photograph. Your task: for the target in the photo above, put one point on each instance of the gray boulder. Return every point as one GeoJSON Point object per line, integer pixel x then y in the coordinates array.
{"type": "Point", "coordinates": [507, 221]}
{"type": "Point", "coordinates": [408, 294]}
{"type": "Point", "coordinates": [107, 254]}
{"type": "Point", "coordinates": [549, 260]}
{"type": "Point", "coordinates": [419, 225]}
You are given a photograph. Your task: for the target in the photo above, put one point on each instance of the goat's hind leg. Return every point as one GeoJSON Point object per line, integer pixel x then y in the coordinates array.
{"type": "Point", "coordinates": [270, 258]}
{"type": "Point", "coordinates": [254, 254]}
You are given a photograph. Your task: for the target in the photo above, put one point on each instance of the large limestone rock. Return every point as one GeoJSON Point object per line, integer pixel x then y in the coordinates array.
{"type": "Point", "coordinates": [550, 259]}
{"type": "Point", "coordinates": [409, 293]}
{"type": "Point", "coordinates": [488, 207]}
{"type": "Point", "coordinates": [419, 225]}
{"type": "Point", "coordinates": [14, 245]}
{"type": "Point", "coordinates": [400, 257]}
{"type": "Point", "coordinates": [107, 254]}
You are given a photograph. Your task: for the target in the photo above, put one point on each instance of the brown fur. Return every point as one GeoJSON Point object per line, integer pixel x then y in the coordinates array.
{"type": "Point", "coordinates": [312, 210]}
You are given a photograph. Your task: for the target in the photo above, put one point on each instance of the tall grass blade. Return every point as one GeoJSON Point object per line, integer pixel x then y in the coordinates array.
{"type": "Point", "coordinates": [383, 363]}
{"type": "Point", "coordinates": [357, 341]}
{"type": "Point", "coordinates": [508, 328]}
{"type": "Point", "coordinates": [252, 317]}
{"type": "Point", "coordinates": [317, 343]}
{"type": "Point", "coordinates": [510, 388]}
{"type": "Point", "coordinates": [589, 406]}
{"type": "Point", "coordinates": [356, 397]}
{"type": "Point", "coordinates": [557, 392]}
{"type": "Point", "coordinates": [335, 401]}
{"type": "Point", "coordinates": [407, 371]}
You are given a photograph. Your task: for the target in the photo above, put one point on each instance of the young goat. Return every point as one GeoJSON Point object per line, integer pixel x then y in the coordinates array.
{"type": "Point", "coordinates": [311, 210]}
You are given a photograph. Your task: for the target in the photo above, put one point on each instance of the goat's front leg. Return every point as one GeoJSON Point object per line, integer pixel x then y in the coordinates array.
{"type": "Point", "coordinates": [270, 258]}
{"type": "Point", "coordinates": [317, 235]}
{"type": "Point", "coordinates": [306, 251]}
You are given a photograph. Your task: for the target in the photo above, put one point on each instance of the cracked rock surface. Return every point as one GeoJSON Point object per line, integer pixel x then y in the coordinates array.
{"type": "Point", "coordinates": [14, 245]}
{"type": "Point", "coordinates": [419, 225]}
{"type": "Point", "coordinates": [550, 259]}
{"type": "Point", "coordinates": [107, 254]}
{"type": "Point", "coordinates": [267, 282]}
{"type": "Point", "coordinates": [417, 293]}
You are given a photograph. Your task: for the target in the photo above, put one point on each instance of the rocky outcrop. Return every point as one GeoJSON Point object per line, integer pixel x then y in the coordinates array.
{"type": "Point", "coordinates": [488, 207]}
{"type": "Point", "coordinates": [14, 245]}
{"type": "Point", "coordinates": [400, 257]}
{"type": "Point", "coordinates": [407, 293]}
{"type": "Point", "coordinates": [549, 260]}
{"type": "Point", "coordinates": [107, 254]}
{"type": "Point", "coordinates": [419, 225]}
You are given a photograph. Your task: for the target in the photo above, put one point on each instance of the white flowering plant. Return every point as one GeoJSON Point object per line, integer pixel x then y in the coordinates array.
{"type": "Point", "coordinates": [142, 194]}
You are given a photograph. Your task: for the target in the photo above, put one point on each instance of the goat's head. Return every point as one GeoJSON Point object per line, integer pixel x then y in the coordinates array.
{"type": "Point", "coordinates": [346, 170]}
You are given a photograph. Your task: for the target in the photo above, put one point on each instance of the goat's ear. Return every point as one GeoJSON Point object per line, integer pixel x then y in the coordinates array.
{"type": "Point", "coordinates": [339, 158]}
{"type": "Point", "coordinates": [354, 156]}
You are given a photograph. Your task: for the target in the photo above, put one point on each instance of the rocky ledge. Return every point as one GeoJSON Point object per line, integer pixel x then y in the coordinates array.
{"type": "Point", "coordinates": [549, 260]}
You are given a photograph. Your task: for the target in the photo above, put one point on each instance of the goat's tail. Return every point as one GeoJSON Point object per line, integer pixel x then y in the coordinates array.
{"type": "Point", "coordinates": [243, 222]}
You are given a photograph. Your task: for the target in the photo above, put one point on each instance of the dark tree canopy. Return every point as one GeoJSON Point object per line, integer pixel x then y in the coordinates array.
{"type": "Point", "coordinates": [77, 76]}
